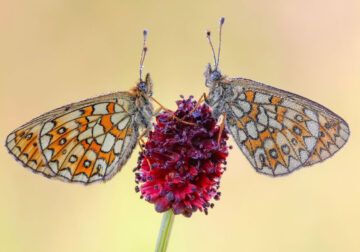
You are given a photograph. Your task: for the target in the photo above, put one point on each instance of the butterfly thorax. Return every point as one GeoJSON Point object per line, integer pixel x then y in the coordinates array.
{"type": "Point", "coordinates": [220, 97]}
{"type": "Point", "coordinates": [143, 111]}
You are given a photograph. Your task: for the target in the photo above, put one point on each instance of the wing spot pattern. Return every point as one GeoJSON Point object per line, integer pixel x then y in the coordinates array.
{"type": "Point", "coordinates": [273, 153]}
{"type": "Point", "coordinates": [61, 130]}
{"type": "Point", "coordinates": [297, 130]}
{"type": "Point", "coordinates": [62, 141]}
{"type": "Point", "coordinates": [285, 149]}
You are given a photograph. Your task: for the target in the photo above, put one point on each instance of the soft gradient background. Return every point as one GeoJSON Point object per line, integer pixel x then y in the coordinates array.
{"type": "Point", "coordinates": [56, 52]}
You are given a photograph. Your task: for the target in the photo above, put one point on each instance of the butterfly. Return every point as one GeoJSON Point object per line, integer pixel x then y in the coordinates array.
{"type": "Point", "coordinates": [276, 130]}
{"type": "Point", "coordinates": [90, 140]}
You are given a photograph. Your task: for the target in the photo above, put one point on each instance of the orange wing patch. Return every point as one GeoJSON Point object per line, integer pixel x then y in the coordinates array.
{"type": "Point", "coordinates": [249, 95]}
{"type": "Point", "coordinates": [276, 100]}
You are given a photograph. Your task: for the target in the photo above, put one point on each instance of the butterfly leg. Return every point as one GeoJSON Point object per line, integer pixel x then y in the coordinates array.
{"type": "Point", "coordinates": [203, 96]}
{"type": "Point", "coordinates": [171, 113]}
{"type": "Point", "coordinates": [141, 143]}
{"type": "Point", "coordinates": [222, 127]}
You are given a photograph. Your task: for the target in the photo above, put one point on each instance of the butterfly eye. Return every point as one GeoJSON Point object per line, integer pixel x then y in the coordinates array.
{"type": "Point", "coordinates": [142, 86]}
{"type": "Point", "coordinates": [215, 76]}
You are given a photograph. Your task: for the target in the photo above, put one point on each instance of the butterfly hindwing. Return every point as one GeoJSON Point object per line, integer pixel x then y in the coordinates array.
{"type": "Point", "coordinates": [83, 142]}
{"type": "Point", "coordinates": [279, 131]}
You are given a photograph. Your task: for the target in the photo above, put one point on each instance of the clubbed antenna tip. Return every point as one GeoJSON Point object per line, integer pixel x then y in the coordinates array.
{"type": "Point", "coordinates": [145, 32]}
{"type": "Point", "coordinates": [222, 20]}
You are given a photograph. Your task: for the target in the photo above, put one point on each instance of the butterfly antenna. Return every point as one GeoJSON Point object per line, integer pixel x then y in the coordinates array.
{"type": "Point", "coordinates": [208, 34]}
{"type": "Point", "coordinates": [222, 20]}
{"type": "Point", "coordinates": [143, 54]}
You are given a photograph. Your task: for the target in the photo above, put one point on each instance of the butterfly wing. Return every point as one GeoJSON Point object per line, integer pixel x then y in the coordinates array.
{"type": "Point", "coordinates": [82, 142]}
{"type": "Point", "coordinates": [279, 131]}
{"type": "Point", "coordinates": [23, 145]}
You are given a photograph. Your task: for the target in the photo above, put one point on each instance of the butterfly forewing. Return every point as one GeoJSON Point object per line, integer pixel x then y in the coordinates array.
{"type": "Point", "coordinates": [278, 131]}
{"type": "Point", "coordinates": [83, 142]}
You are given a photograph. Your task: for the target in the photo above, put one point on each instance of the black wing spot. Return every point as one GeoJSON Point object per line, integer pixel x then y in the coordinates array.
{"type": "Point", "coordinates": [62, 141]}
{"type": "Point", "coordinates": [29, 136]}
{"type": "Point", "coordinates": [87, 163]}
{"type": "Point", "coordinates": [299, 118]}
{"type": "Point", "coordinates": [273, 153]}
{"type": "Point", "coordinates": [297, 130]}
{"type": "Point", "coordinates": [61, 130]}
{"type": "Point", "coordinates": [73, 159]}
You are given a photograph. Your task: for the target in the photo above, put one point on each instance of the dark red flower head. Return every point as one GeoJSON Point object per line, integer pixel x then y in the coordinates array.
{"type": "Point", "coordinates": [186, 161]}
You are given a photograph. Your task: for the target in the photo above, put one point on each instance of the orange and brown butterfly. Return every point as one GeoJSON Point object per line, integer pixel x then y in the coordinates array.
{"type": "Point", "coordinates": [276, 130]}
{"type": "Point", "coordinates": [90, 140]}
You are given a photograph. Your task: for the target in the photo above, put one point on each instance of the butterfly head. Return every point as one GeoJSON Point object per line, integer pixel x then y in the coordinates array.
{"type": "Point", "coordinates": [212, 76]}
{"type": "Point", "coordinates": [145, 87]}
{"type": "Point", "coordinates": [142, 87]}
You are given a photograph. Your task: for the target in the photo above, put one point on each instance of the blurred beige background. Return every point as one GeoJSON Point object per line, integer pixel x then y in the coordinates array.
{"type": "Point", "coordinates": [57, 52]}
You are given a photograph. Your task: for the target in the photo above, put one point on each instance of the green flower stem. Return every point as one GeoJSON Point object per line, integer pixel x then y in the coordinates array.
{"type": "Point", "coordinates": [165, 230]}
